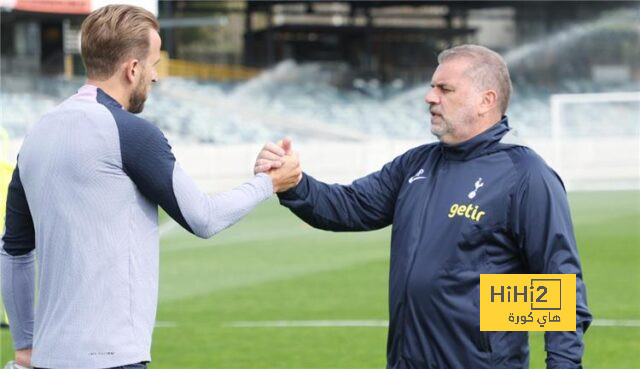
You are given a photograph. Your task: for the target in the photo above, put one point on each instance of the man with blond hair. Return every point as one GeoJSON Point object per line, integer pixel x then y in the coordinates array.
{"type": "Point", "coordinates": [476, 202]}
{"type": "Point", "coordinates": [84, 197]}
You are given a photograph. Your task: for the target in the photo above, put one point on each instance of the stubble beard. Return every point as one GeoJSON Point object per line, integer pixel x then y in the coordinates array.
{"type": "Point", "coordinates": [138, 98]}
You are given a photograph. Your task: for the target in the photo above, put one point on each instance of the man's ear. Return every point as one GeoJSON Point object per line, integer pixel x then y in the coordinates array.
{"type": "Point", "coordinates": [489, 101]}
{"type": "Point", "coordinates": [131, 68]}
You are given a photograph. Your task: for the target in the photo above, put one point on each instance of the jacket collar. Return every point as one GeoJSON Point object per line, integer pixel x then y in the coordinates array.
{"type": "Point", "coordinates": [482, 144]}
{"type": "Point", "coordinates": [106, 99]}
{"type": "Point", "coordinates": [95, 92]}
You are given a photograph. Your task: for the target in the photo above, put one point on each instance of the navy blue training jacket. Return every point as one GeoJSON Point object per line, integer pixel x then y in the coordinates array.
{"type": "Point", "coordinates": [487, 205]}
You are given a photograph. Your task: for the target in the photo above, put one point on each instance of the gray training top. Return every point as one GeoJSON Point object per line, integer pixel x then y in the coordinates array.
{"type": "Point", "coordinates": [84, 196]}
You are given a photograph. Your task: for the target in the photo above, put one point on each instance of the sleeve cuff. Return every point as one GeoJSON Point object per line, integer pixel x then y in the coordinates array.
{"type": "Point", "coordinates": [265, 184]}
{"type": "Point", "coordinates": [300, 191]}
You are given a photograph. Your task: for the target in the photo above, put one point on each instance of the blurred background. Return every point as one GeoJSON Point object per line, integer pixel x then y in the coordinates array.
{"type": "Point", "coordinates": [346, 80]}
{"type": "Point", "coordinates": [352, 75]}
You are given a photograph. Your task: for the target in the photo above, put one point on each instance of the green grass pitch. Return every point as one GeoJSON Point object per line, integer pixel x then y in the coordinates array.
{"type": "Point", "coordinates": [271, 266]}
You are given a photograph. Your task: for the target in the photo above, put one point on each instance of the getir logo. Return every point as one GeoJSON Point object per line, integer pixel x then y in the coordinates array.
{"type": "Point", "coordinates": [470, 211]}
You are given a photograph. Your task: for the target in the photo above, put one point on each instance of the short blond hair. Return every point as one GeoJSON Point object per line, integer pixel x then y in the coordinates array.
{"type": "Point", "coordinates": [113, 33]}
{"type": "Point", "coordinates": [488, 70]}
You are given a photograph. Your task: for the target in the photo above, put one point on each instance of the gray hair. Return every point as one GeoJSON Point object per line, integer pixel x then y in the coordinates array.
{"type": "Point", "coordinates": [488, 70]}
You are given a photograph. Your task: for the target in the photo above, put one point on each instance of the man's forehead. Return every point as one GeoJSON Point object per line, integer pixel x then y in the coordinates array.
{"type": "Point", "coordinates": [155, 43]}
{"type": "Point", "coordinates": [154, 37]}
{"type": "Point", "coordinates": [450, 71]}
{"type": "Point", "coordinates": [440, 79]}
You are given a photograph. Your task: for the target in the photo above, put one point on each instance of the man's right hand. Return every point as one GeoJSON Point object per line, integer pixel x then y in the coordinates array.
{"type": "Point", "coordinates": [270, 157]}
{"type": "Point", "coordinates": [281, 163]}
{"type": "Point", "coordinates": [23, 357]}
{"type": "Point", "coordinates": [288, 175]}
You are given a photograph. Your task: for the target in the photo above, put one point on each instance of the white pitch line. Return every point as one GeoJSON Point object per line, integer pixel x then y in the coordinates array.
{"type": "Point", "coordinates": [307, 323]}
{"type": "Point", "coordinates": [166, 227]}
{"type": "Point", "coordinates": [163, 324]}
{"type": "Point", "coordinates": [615, 323]}
{"type": "Point", "coordinates": [378, 323]}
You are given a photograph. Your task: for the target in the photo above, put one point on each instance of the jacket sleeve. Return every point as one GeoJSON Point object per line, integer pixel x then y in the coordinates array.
{"type": "Point", "coordinates": [544, 230]}
{"type": "Point", "coordinates": [17, 264]}
{"type": "Point", "coordinates": [148, 160]}
{"type": "Point", "coordinates": [366, 204]}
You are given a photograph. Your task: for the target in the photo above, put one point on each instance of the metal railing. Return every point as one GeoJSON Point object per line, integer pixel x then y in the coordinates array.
{"type": "Point", "coordinates": [189, 69]}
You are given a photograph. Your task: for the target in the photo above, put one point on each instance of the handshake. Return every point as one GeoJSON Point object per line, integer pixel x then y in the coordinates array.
{"type": "Point", "coordinates": [281, 163]}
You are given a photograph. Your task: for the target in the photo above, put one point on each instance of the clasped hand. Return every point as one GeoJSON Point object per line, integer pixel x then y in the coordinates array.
{"type": "Point", "coordinates": [281, 163]}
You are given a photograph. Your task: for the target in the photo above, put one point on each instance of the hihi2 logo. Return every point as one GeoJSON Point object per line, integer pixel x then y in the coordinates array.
{"type": "Point", "coordinates": [527, 302]}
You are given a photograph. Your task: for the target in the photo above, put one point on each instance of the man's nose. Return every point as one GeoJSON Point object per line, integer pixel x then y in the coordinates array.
{"type": "Point", "coordinates": [431, 97]}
